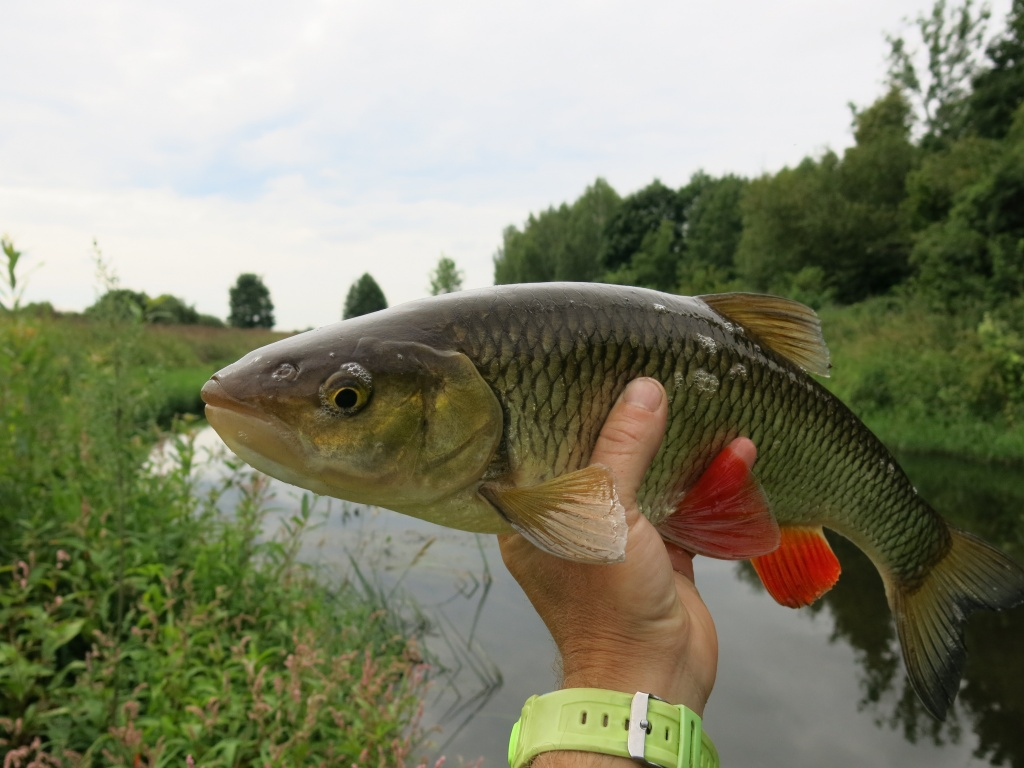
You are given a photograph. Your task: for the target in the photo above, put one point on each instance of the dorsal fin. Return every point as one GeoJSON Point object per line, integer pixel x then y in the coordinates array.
{"type": "Point", "coordinates": [787, 327]}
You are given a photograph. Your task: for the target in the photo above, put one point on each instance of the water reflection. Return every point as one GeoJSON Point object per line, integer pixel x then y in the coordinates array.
{"type": "Point", "coordinates": [823, 685]}
{"type": "Point", "coordinates": [987, 501]}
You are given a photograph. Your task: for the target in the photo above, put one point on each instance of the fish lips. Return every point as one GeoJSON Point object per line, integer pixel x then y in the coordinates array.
{"type": "Point", "coordinates": [258, 438]}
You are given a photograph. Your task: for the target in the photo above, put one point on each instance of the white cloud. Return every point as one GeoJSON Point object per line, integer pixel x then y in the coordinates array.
{"type": "Point", "coordinates": [311, 141]}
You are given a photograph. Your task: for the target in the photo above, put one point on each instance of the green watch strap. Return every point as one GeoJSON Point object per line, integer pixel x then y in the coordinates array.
{"type": "Point", "coordinates": [637, 726]}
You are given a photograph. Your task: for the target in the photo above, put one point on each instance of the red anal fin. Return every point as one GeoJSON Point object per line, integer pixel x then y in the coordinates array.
{"type": "Point", "coordinates": [725, 514]}
{"type": "Point", "coordinates": [801, 570]}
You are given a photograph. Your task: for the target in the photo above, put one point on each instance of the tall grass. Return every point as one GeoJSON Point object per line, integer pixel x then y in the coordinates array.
{"type": "Point", "coordinates": [928, 382]}
{"type": "Point", "coordinates": [139, 626]}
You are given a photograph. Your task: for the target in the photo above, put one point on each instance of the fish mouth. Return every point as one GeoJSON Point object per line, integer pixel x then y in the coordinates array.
{"type": "Point", "coordinates": [213, 393]}
{"type": "Point", "coordinates": [258, 438]}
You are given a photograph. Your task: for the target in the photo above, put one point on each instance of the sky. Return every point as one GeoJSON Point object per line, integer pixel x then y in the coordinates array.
{"type": "Point", "coordinates": [312, 141]}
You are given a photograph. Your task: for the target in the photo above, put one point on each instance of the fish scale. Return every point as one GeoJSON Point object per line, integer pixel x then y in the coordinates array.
{"type": "Point", "coordinates": [480, 410]}
{"type": "Point", "coordinates": [634, 341]}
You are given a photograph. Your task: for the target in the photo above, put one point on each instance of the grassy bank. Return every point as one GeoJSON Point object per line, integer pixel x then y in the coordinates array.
{"type": "Point", "coordinates": [928, 382]}
{"type": "Point", "coordinates": [184, 356]}
{"type": "Point", "coordinates": [139, 626]}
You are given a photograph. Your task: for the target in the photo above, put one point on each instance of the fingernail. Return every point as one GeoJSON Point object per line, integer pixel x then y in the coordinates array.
{"type": "Point", "coordinates": [644, 393]}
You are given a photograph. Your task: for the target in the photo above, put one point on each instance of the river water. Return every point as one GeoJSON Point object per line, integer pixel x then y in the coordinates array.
{"type": "Point", "coordinates": [817, 686]}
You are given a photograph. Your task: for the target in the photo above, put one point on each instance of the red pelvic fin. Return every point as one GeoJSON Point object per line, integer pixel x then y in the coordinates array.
{"type": "Point", "coordinates": [725, 514]}
{"type": "Point", "coordinates": [801, 570]}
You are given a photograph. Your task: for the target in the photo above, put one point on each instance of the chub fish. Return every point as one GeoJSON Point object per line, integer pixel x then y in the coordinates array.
{"type": "Point", "coordinates": [478, 410]}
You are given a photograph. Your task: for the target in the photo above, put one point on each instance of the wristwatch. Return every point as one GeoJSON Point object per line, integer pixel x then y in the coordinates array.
{"type": "Point", "coordinates": [639, 726]}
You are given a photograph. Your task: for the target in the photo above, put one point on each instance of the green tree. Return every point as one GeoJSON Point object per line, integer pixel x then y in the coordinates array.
{"type": "Point", "coordinates": [211, 321]}
{"type": "Point", "coordinates": [714, 225]}
{"type": "Point", "coordinates": [364, 297]}
{"type": "Point", "coordinates": [653, 265]}
{"type": "Point", "coordinates": [714, 220]}
{"type": "Point", "coordinates": [121, 304]}
{"type": "Point", "coordinates": [531, 255]}
{"type": "Point", "coordinates": [840, 221]}
{"type": "Point", "coordinates": [998, 89]}
{"type": "Point", "coordinates": [446, 277]}
{"type": "Point", "coordinates": [640, 215]}
{"type": "Point", "coordinates": [974, 258]}
{"type": "Point", "coordinates": [786, 222]}
{"type": "Point", "coordinates": [934, 186]}
{"type": "Point", "coordinates": [250, 303]}
{"type": "Point", "coordinates": [563, 243]}
{"type": "Point", "coordinates": [170, 310]}
{"type": "Point", "coordinates": [588, 223]}
{"type": "Point", "coordinates": [952, 40]}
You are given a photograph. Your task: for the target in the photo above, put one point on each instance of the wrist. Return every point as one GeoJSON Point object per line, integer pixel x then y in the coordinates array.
{"type": "Point", "coordinates": [594, 727]}
{"type": "Point", "coordinates": [636, 669]}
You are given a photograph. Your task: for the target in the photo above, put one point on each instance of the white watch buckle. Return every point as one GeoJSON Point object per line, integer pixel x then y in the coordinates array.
{"type": "Point", "coordinates": [639, 728]}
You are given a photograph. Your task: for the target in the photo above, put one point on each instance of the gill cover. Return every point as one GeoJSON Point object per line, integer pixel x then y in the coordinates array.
{"type": "Point", "coordinates": [404, 423]}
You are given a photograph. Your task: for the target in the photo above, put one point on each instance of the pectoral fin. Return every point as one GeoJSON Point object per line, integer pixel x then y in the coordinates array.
{"type": "Point", "coordinates": [725, 514]}
{"type": "Point", "coordinates": [801, 570]}
{"type": "Point", "coordinates": [576, 516]}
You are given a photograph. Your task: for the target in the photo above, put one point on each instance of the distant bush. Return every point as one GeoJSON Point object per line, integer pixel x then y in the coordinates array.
{"type": "Point", "coordinates": [210, 321]}
{"type": "Point", "coordinates": [170, 309]}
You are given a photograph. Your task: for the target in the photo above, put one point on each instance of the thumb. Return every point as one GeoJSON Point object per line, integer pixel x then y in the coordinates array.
{"type": "Point", "coordinates": [631, 435]}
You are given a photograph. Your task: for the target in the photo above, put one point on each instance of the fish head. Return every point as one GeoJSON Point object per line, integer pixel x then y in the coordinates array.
{"type": "Point", "coordinates": [374, 421]}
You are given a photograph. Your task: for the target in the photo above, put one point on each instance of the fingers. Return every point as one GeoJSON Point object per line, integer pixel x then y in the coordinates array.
{"type": "Point", "coordinates": [631, 436]}
{"type": "Point", "coordinates": [743, 448]}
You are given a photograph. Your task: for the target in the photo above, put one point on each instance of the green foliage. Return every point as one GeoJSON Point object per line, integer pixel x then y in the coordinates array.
{"type": "Point", "coordinates": [120, 304]}
{"type": "Point", "coordinates": [170, 309]}
{"type": "Point", "coordinates": [930, 381]}
{"type": "Point", "coordinates": [249, 300]}
{"type": "Point", "coordinates": [933, 187]}
{"type": "Point", "coordinates": [125, 305]}
{"type": "Point", "coordinates": [564, 243]}
{"type": "Point", "coordinates": [446, 277]}
{"type": "Point", "coordinates": [38, 309]}
{"type": "Point", "coordinates": [364, 296]}
{"type": "Point", "coordinates": [973, 259]}
{"type": "Point", "coordinates": [210, 321]}
{"type": "Point", "coordinates": [952, 40]}
{"type": "Point", "coordinates": [650, 222]}
{"type": "Point", "coordinates": [653, 264]}
{"type": "Point", "coordinates": [714, 223]}
{"type": "Point", "coordinates": [998, 89]}
{"type": "Point", "coordinates": [140, 625]}
{"type": "Point", "coordinates": [10, 290]}
{"type": "Point", "coordinates": [843, 216]}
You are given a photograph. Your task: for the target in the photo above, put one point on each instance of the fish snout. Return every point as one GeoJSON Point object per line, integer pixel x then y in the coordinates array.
{"type": "Point", "coordinates": [213, 393]}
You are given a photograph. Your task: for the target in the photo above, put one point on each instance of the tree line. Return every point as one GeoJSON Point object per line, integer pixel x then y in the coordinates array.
{"type": "Point", "coordinates": [249, 301]}
{"type": "Point", "coordinates": [928, 201]}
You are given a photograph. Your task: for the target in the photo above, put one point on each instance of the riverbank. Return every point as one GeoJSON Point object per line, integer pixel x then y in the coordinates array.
{"type": "Point", "coordinates": [139, 625]}
{"type": "Point", "coordinates": [927, 382]}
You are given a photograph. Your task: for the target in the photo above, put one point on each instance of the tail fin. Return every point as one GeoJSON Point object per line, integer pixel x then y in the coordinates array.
{"type": "Point", "coordinates": [930, 617]}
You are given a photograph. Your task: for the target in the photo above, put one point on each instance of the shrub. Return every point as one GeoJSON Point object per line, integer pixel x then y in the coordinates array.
{"type": "Point", "coordinates": [141, 626]}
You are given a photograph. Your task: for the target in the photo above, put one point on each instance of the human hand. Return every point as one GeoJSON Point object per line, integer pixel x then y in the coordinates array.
{"type": "Point", "coordinates": [639, 625]}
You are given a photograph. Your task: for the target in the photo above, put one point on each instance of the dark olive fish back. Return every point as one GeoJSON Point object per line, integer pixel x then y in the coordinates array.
{"type": "Point", "coordinates": [559, 355]}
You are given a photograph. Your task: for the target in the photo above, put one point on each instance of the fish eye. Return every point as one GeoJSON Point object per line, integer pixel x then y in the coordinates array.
{"type": "Point", "coordinates": [347, 398]}
{"type": "Point", "coordinates": [347, 391]}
